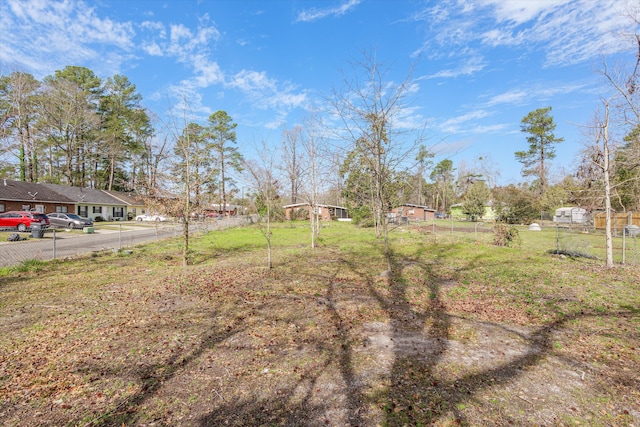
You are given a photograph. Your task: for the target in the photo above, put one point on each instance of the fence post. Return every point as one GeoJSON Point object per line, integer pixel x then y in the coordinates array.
{"type": "Point", "coordinates": [120, 237]}
{"type": "Point", "coordinates": [475, 231]}
{"type": "Point", "coordinates": [624, 244]}
{"type": "Point", "coordinates": [54, 243]}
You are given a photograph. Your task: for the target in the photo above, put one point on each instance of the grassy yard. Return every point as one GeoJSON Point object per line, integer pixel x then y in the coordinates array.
{"type": "Point", "coordinates": [461, 332]}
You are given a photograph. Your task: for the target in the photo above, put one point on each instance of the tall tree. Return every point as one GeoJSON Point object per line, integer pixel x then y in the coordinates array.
{"type": "Point", "coordinates": [311, 144]}
{"type": "Point", "coordinates": [539, 125]}
{"type": "Point", "coordinates": [18, 115]}
{"type": "Point", "coordinates": [292, 160]}
{"type": "Point", "coordinates": [442, 176]}
{"type": "Point", "coordinates": [190, 154]}
{"type": "Point", "coordinates": [69, 125]}
{"type": "Point", "coordinates": [627, 161]}
{"type": "Point", "coordinates": [424, 162]}
{"type": "Point", "coordinates": [621, 108]}
{"type": "Point", "coordinates": [222, 138]}
{"type": "Point", "coordinates": [125, 126]}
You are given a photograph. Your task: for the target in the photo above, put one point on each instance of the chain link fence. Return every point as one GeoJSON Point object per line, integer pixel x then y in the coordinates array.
{"type": "Point", "coordinates": [60, 243]}
{"type": "Point", "coordinates": [579, 240]}
{"type": "Point", "coordinates": [587, 240]}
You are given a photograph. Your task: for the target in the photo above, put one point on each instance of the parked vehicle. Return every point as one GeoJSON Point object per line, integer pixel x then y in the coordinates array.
{"type": "Point", "coordinates": [69, 220]}
{"type": "Point", "coordinates": [22, 220]}
{"type": "Point", "coordinates": [151, 217]}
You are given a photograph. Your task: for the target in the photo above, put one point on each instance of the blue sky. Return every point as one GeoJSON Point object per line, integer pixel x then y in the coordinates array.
{"type": "Point", "coordinates": [480, 65]}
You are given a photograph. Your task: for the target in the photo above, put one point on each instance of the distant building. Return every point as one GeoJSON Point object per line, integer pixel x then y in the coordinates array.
{"type": "Point", "coordinates": [489, 213]}
{"type": "Point", "coordinates": [410, 212]}
{"type": "Point", "coordinates": [325, 212]}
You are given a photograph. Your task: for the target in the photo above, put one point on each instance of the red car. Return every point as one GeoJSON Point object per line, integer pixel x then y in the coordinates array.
{"type": "Point", "coordinates": [22, 220]}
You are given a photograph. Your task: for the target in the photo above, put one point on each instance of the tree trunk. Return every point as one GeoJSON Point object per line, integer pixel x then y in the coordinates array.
{"type": "Point", "coordinates": [607, 187]}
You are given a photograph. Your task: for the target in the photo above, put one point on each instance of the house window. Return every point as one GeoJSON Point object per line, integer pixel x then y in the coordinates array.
{"type": "Point", "coordinates": [2, 207]}
{"type": "Point", "coordinates": [97, 209]}
{"type": "Point", "coordinates": [410, 211]}
{"type": "Point", "coordinates": [83, 210]}
{"type": "Point", "coordinates": [118, 211]}
{"type": "Point", "coordinates": [62, 209]}
{"type": "Point", "coordinates": [26, 207]}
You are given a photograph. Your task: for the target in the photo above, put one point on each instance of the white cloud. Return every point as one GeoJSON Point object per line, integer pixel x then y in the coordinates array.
{"type": "Point", "coordinates": [157, 27]}
{"type": "Point", "coordinates": [264, 92]}
{"type": "Point", "coordinates": [208, 72]}
{"type": "Point", "coordinates": [515, 96]}
{"type": "Point", "coordinates": [315, 14]}
{"type": "Point", "coordinates": [535, 93]}
{"type": "Point", "coordinates": [520, 11]}
{"type": "Point", "coordinates": [564, 31]}
{"type": "Point", "coordinates": [152, 49]}
{"type": "Point", "coordinates": [453, 125]}
{"type": "Point", "coordinates": [468, 68]}
{"type": "Point", "coordinates": [45, 35]}
{"type": "Point", "coordinates": [488, 128]}
{"type": "Point", "coordinates": [183, 42]}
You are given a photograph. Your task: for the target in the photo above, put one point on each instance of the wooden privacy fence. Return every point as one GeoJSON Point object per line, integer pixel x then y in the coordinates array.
{"type": "Point", "coordinates": [619, 220]}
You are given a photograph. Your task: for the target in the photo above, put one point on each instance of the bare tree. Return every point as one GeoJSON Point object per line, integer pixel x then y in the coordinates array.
{"type": "Point", "coordinates": [266, 188]}
{"type": "Point", "coordinates": [292, 161]}
{"type": "Point", "coordinates": [596, 169]}
{"type": "Point", "coordinates": [311, 144]}
{"type": "Point", "coordinates": [625, 105]}
{"type": "Point", "coordinates": [370, 109]}
{"type": "Point", "coordinates": [184, 177]}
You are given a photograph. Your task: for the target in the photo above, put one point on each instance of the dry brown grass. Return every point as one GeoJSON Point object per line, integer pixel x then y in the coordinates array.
{"type": "Point", "coordinates": [459, 334]}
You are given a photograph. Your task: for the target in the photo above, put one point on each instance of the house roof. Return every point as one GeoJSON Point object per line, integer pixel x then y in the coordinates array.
{"type": "Point", "coordinates": [128, 198]}
{"type": "Point", "coordinates": [426, 208]}
{"type": "Point", "coordinates": [216, 206]}
{"type": "Point", "coordinates": [296, 205]}
{"type": "Point", "coordinates": [85, 195]}
{"type": "Point", "coordinates": [30, 192]}
{"type": "Point", "coordinates": [488, 204]}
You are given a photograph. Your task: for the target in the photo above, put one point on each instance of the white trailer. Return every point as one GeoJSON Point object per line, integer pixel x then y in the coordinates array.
{"type": "Point", "coordinates": [571, 216]}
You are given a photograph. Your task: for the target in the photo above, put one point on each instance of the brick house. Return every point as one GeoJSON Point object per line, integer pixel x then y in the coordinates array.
{"type": "Point", "coordinates": [325, 212]}
{"type": "Point", "coordinates": [412, 213]}
{"type": "Point", "coordinates": [29, 196]}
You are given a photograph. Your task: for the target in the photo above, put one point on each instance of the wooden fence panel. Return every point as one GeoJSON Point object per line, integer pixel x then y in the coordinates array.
{"type": "Point", "coordinates": [619, 220]}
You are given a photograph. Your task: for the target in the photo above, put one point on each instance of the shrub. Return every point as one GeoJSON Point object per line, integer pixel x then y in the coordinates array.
{"type": "Point", "coordinates": [361, 216]}
{"type": "Point", "coordinates": [298, 214]}
{"type": "Point", "coordinates": [505, 235]}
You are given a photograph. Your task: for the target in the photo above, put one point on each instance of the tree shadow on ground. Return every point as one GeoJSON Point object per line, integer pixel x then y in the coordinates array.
{"type": "Point", "coordinates": [151, 378]}
{"type": "Point", "coordinates": [419, 393]}
{"type": "Point", "coordinates": [289, 406]}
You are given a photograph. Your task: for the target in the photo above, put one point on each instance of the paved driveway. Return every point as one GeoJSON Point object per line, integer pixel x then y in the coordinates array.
{"type": "Point", "coordinates": [63, 244]}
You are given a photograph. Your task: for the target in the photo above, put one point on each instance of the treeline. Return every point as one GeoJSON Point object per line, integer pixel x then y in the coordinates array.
{"type": "Point", "coordinates": [74, 128]}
